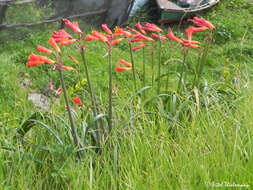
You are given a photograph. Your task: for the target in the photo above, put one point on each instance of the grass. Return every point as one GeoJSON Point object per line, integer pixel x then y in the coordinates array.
{"type": "Point", "coordinates": [165, 144]}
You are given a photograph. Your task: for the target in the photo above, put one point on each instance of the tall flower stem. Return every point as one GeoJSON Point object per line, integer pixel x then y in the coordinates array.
{"type": "Point", "coordinates": [202, 60]}
{"type": "Point", "coordinates": [185, 50]}
{"type": "Point", "coordinates": [92, 96]}
{"type": "Point", "coordinates": [144, 69]}
{"type": "Point", "coordinates": [152, 61]}
{"type": "Point", "coordinates": [72, 124]}
{"type": "Point", "coordinates": [159, 67]}
{"type": "Point", "coordinates": [133, 66]}
{"type": "Point", "coordinates": [168, 67]}
{"type": "Point", "coordinates": [110, 88]}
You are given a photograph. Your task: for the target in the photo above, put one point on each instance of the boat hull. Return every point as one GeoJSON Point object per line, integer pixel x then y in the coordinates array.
{"type": "Point", "coordinates": [171, 13]}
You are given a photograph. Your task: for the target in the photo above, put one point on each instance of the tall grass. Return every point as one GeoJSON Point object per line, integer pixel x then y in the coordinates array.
{"type": "Point", "coordinates": [189, 141]}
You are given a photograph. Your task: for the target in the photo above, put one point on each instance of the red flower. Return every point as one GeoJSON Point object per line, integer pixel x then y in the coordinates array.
{"type": "Point", "coordinates": [74, 59]}
{"type": "Point", "coordinates": [141, 37]}
{"type": "Point", "coordinates": [139, 26]}
{"type": "Point", "coordinates": [100, 36]}
{"type": "Point", "coordinates": [33, 63]}
{"type": "Point", "coordinates": [121, 69]}
{"type": "Point", "coordinates": [191, 30]}
{"type": "Point", "coordinates": [112, 43]}
{"type": "Point", "coordinates": [138, 47]}
{"type": "Point", "coordinates": [76, 24]}
{"type": "Point", "coordinates": [152, 27]}
{"type": "Point", "coordinates": [120, 31]}
{"type": "Point", "coordinates": [171, 36]}
{"type": "Point", "coordinates": [90, 38]}
{"type": "Point", "coordinates": [192, 42]}
{"type": "Point", "coordinates": [54, 45]}
{"type": "Point", "coordinates": [202, 22]}
{"type": "Point", "coordinates": [125, 63]}
{"type": "Point", "coordinates": [61, 34]}
{"type": "Point", "coordinates": [43, 49]}
{"type": "Point", "coordinates": [67, 42]}
{"type": "Point", "coordinates": [106, 29]}
{"type": "Point", "coordinates": [156, 36]}
{"type": "Point", "coordinates": [133, 30]}
{"type": "Point", "coordinates": [191, 45]}
{"type": "Point", "coordinates": [39, 58]}
{"type": "Point", "coordinates": [73, 26]}
{"type": "Point", "coordinates": [60, 67]}
{"type": "Point", "coordinates": [77, 101]}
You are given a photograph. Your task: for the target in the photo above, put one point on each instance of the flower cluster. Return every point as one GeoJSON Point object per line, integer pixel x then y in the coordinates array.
{"type": "Point", "coordinates": [202, 26]}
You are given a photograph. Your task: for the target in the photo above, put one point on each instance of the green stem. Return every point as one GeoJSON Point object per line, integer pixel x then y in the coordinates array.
{"type": "Point", "coordinates": [167, 79]}
{"type": "Point", "coordinates": [92, 96]}
{"type": "Point", "coordinates": [202, 59]}
{"type": "Point", "coordinates": [182, 71]}
{"type": "Point", "coordinates": [133, 66]}
{"type": "Point", "coordinates": [72, 124]}
{"type": "Point", "coordinates": [152, 62]}
{"type": "Point", "coordinates": [144, 69]}
{"type": "Point", "coordinates": [159, 67]}
{"type": "Point", "coordinates": [110, 89]}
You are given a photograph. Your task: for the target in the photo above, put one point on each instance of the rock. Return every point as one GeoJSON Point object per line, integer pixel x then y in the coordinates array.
{"type": "Point", "coordinates": [26, 83]}
{"type": "Point", "coordinates": [47, 91]}
{"type": "Point", "coordinates": [39, 100]}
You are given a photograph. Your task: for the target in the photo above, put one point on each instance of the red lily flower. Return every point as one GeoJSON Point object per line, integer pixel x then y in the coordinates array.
{"type": "Point", "coordinates": [54, 45]}
{"type": "Point", "coordinates": [171, 36]}
{"type": "Point", "coordinates": [77, 101]}
{"type": "Point", "coordinates": [125, 63]}
{"type": "Point", "coordinates": [191, 45]}
{"type": "Point", "coordinates": [75, 23]}
{"type": "Point", "coordinates": [44, 49]}
{"type": "Point", "coordinates": [192, 42]}
{"type": "Point", "coordinates": [156, 36]}
{"type": "Point", "coordinates": [33, 63]}
{"type": "Point", "coordinates": [138, 47]}
{"type": "Point", "coordinates": [139, 26]}
{"type": "Point", "coordinates": [60, 67]}
{"type": "Point", "coordinates": [191, 30]}
{"type": "Point", "coordinates": [58, 40]}
{"type": "Point", "coordinates": [141, 37]}
{"type": "Point", "coordinates": [67, 42]}
{"type": "Point", "coordinates": [106, 29]}
{"type": "Point", "coordinates": [100, 36]}
{"type": "Point", "coordinates": [39, 58]}
{"type": "Point", "coordinates": [112, 43]}
{"type": "Point", "coordinates": [202, 22]}
{"type": "Point", "coordinates": [74, 59]}
{"type": "Point", "coordinates": [120, 69]}
{"type": "Point", "coordinates": [152, 27]}
{"type": "Point", "coordinates": [61, 34]}
{"type": "Point", "coordinates": [72, 26]}
{"type": "Point", "coordinates": [120, 31]}
{"type": "Point", "coordinates": [134, 31]}
{"type": "Point", "coordinates": [90, 38]}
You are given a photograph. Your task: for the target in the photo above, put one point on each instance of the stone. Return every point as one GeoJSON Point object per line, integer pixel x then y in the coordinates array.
{"type": "Point", "coordinates": [39, 100]}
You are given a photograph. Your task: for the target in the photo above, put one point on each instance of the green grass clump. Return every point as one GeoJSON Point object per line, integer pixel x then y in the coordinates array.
{"type": "Point", "coordinates": [196, 140]}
